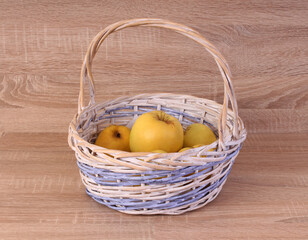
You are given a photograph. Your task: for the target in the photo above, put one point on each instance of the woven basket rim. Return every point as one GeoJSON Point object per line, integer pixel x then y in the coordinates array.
{"type": "Point", "coordinates": [136, 154]}
{"type": "Point", "coordinates": [132, 96]}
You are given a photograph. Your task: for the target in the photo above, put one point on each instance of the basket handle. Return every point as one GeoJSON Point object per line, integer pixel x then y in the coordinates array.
{"type": "Point", "coordinates": [86, 70]}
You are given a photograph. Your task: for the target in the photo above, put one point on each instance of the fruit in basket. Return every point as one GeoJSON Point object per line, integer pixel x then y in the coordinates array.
{"type": "Point", "coordinates": [198, 133]}
{"type": "Point", "coordinates": [159, 151]}
{"type": "Point", "coordinates": [156, 130]}
{"type": "Point", "coordinates": [184, 149]}
{"type": "Point", "coordinates": [114, 137]}
{"type": "Point", "coordinates": [198, 145]}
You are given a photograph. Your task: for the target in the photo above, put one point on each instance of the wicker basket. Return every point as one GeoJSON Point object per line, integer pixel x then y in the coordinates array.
{"type": "Point", "coordinates": [155, 183]}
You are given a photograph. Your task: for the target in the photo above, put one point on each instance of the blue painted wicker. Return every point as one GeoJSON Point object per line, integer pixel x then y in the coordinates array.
{"type": "Point", "coordinates": [155, 183]}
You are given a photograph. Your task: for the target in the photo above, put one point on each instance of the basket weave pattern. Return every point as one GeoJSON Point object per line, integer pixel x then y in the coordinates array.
{"type": "Point", "coordinates": [155, 183]}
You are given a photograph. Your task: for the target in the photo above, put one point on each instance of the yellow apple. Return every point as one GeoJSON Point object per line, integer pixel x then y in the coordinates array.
{"type": "Point", "coordinates": [198, 145]}
{"type": "Point", "coordinates": [159, 151]}
{"type": "Point", "coordinates": [156, 130]}
{"type": "Point", "coordinates": [184, 149]}
{"type": "Point", "coordinates": [114, 137]}
{"type": "Point", "coordinates": [198, 133]}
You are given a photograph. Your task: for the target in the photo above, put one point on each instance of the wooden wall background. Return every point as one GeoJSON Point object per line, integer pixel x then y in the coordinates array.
{"type": "Point", "coordinates": [42, 44]}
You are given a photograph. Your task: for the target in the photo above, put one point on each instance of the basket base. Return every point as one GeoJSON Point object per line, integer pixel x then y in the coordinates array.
{"type": "Point", "coordinates": [163, 207]}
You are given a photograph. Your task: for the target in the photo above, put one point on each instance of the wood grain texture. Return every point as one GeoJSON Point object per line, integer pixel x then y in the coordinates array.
{"type": "Point", "coordinates": [42, 45]}
{"type": "Point", "coordinates": [42, 196]}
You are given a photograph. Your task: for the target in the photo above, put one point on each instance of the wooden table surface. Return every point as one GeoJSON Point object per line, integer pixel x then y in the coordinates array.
{"type": "Point", "coordinates": [42, 44]}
